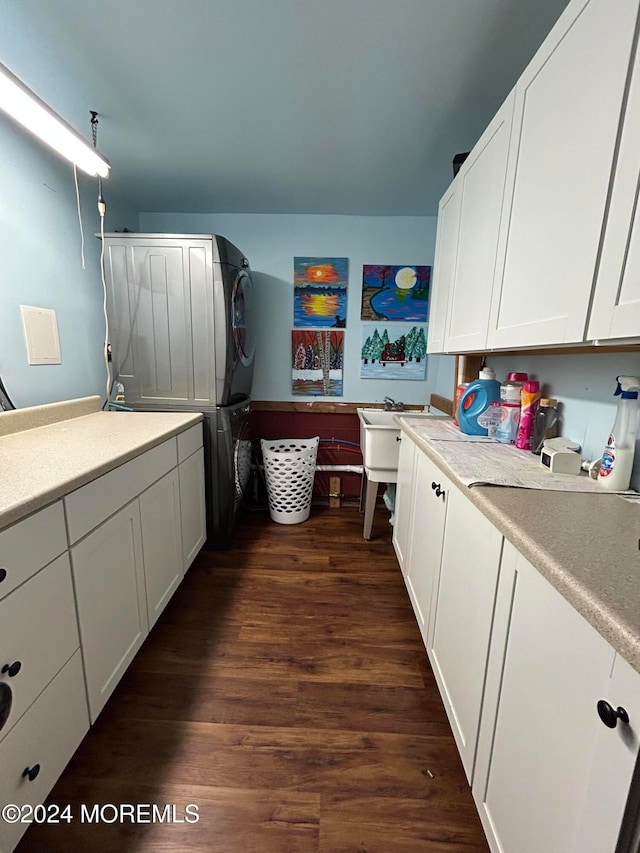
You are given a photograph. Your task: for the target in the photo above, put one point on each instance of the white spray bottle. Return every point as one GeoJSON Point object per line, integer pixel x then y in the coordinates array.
{"type": "Point", "coordinates": [617, 459]}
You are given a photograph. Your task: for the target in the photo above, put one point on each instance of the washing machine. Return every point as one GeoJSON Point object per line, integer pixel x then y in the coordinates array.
{"type": "Point", "coordinates": [182, 337]}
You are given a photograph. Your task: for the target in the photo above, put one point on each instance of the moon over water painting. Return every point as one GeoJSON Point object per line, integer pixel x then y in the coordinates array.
{"type": "Point", "coordinates": [393, 351]}
{"type": "Point", "coordinates": [395, 292]}
{"type": "Point", "coordinates": [320, 292]}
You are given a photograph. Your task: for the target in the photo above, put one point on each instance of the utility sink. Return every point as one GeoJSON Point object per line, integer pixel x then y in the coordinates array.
{"type": "Point", "coordinates": [380, 441]}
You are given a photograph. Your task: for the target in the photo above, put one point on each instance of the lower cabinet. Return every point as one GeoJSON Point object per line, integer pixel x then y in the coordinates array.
{"type": "Point", "coordinates": [462, 617]}
{"type": "Point", "coordinates": [39, 746]}
{"type": "Point", "coordinates": [192, 506]}
{"type": "Point", "coordinates": [108, 572]}
{"type": "Point", "coordinates": [431, 493]}
{"type": "Point", "coordinates": [551, 776]}
{"type": "Point", "coordinates": [527, 683]}
{"type": "Point", "coordinates": [161, 543]}
{"type": "Point", "coordinates": [404, 499]}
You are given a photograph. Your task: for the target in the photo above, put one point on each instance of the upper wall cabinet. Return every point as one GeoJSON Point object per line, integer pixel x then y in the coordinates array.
{"type": "Point", "coordinates": [444, 267]}
{"type": "Point", "coordinates": [566, 118]}
{"type": "Point", "coordinates": [615, 311]}
{"type": "Point", "coordinates": [481, 186]}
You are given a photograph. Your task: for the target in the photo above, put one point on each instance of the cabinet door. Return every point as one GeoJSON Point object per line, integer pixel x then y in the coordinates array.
{"type": "Point", "coordinates": [444, 267]}
{"type": "Point", "coordinates": [481, 187]}
{"type": "Point", "coordinates": [556, 668]}
{"type": "Point", "coordinates": [192, 506]}
{"type": "Point", "coordinates": [615, 312]}
{"type": "Point", "coordinates": [404, 499]}
{"type": "Point", "coordinates": [566, 116]}
{"type": "Point", "coordinates": [424, 551]}
{"type": "Point", "coordinates": [460, 630]}
{"type": "Point", "coordinates": [108, 574]}
{"type": "Point", "coordinates": [42, 741]}
{"type": "Point", "coordinates": [161, 543]}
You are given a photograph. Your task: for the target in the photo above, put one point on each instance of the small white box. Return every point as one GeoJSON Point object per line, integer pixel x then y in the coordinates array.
{"type": "Point", "coordinates": [41, 335]}
{"type": "Point", "coordinates": [560, 461]}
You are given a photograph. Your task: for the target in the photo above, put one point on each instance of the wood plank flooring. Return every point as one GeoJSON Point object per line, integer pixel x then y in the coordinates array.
{"type": "Point", "coordinates": [286, 692]}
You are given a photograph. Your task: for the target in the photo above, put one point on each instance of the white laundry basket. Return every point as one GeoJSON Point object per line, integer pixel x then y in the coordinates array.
{"type": "Point", "coordinates": [290, 467]}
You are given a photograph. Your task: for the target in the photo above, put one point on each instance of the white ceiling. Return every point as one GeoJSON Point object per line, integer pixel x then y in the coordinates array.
{"type": "Point", "coordinates": [290, 106]}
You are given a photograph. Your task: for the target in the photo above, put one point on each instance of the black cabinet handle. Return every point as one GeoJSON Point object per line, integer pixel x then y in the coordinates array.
{"type": "Point", "coordinates": [6, 699]}
{"type": "Point", "coordinates": [440, 492]}
{"type": "Point", "coordinates": [398, 438]}
{"type": "Point", "coordinates": [610, 716]}
{"type": "Point", "coordinates": [11, 668]}
{"type": "Point", "coordinates": [435, 486]}
{"type": "Point", "coordinates": [31, 772]}
{"type": "Point", "coordinates": [3, 574]}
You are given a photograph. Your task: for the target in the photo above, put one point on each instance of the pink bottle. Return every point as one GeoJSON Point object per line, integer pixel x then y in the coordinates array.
{"type": "Point", "coordinates": [528, 411]}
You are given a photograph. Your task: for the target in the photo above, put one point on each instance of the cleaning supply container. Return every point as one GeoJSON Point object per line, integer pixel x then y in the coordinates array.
{"type": "Point", "coordinates": [546, 423]}
{"type": "Point", "coordinates": [617, 459]}
{"type": "Point", "coordinates": [290, 468]}
{"type": "Point", "coordinates": [510, 397]}
{"type": "Point", "coordinates": [476, 399]}
{"type": "Point", "coordinates": [528, 412]}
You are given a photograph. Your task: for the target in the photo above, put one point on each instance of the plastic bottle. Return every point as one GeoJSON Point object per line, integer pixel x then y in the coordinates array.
{"type": "Point", "coordinates": [529, 409]}
{"type": "Point", "coordinates": [545, 425]}
{"type": "Point", "coordinates": [476, 398]}
{"type": "Point", "coordinates": [617, 459]}
{"type": "Point", "coordinates": [510, 396]}
{"type": "Point", "coordinates": [460, 389]}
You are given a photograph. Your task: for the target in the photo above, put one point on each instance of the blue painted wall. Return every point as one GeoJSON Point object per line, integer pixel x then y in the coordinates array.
{"type": "Point", "coordinates": [271, 241]}
{"type": "Point", "coordinates": [39, 232]}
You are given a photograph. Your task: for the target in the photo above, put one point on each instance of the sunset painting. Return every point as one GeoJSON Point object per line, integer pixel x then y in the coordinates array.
{"type": "Point", "coordinates": [395, 292]}
{"type": "Point", "coordinates": [320, 292]}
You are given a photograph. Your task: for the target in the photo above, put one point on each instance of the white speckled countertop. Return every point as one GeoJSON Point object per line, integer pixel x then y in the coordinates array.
{"type": "Point", "coordinates": [48, 451]}
{"type": "Point", "coordinates": [586, 545]}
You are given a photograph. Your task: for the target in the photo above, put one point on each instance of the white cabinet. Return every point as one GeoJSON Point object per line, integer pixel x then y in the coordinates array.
{"type": "Point", "coordinates": [161, 543]}
{"type": "Point", "coordinates": [615, 311]}
{"type": "Point", "coordinates": [38, 635]}
{"type": "Point", "coordinates": [444, 267]}
{"type": "Point", "coordinates": [430, 497]}
{"type": "Point", "coordinates": [404, 499]}
{"type": "Point", "coordinates": [462, 617]}
{"type": "Point", "coordinates": [37, 749]}
{"type": "Point", "coordinates": [566, 115]}
{"type": "Point", "coordinates": [554, 778]}
{"type": "Point", "coordinates": [108, 573]}
{"type": "Point", "coordinates": [30, 544]}
{"type": "Point", "coordinates": [481, 187]}
{"type": "Point", "coordinates": [192, 506]}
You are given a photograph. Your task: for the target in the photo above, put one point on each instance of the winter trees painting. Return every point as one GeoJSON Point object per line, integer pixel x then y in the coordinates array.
{"type": "Point", "coordinates": [317, 362]}
{"type": "Point", "coordinates": [393, 351]}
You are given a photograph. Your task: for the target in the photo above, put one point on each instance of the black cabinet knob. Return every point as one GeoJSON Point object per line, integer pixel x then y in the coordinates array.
{"type": "Point", "coordinates": [11, 668]}
{"type": "Point", "coordinates": [3, 574]}
{"type": "Point", "coordinates": [6, 699]}
{"type": "Point", "coordinates": [31, 772]}
{"type": "Point", "coordinates": [435, 486]}
{"type": "Point", "coordinates": [440, 493]}
{"type": "Point", "coordinates": [610, 716]}
{"type": "Point", "coordinates": [398, 438]}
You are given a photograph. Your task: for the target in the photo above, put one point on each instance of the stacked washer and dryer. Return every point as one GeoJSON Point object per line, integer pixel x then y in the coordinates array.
{"type": "Point", "coordinates": [182, 339]}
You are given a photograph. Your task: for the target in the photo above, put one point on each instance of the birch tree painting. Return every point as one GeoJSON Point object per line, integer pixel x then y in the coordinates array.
{"type": "Point", "coordinates": [317, 363]}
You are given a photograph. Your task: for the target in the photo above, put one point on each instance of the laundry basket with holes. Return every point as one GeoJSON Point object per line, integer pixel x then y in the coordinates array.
{"type": "Point", "coordinates": [289, 467]}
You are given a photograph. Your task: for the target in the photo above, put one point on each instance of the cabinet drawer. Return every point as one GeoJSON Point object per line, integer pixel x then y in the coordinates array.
{"type": "Point", "coordinates": [90, 505]}
{"type": "Point", "coordinates": [29, 545]}
{"type": "Point", "coordinates": [38, 630]}
{"type": "Point", "coordinates": [47, 735]}
{"type": "Point", "coordinates": [189, 442]}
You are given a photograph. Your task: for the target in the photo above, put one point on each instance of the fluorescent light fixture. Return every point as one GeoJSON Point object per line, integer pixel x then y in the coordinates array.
{"type": "Point", "coordinates": [18, 101]}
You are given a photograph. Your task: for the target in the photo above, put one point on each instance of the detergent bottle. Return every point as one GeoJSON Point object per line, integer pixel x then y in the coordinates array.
{"type": "Point", "coordinates": [476, 399]}
{"type": "Point", "coordinates": [617, 459]}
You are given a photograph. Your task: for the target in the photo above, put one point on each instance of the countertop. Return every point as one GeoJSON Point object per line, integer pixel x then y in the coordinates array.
{"type": "Point", "coordinates": [39, 464]}
{"type": "Point", "coordinates": [586, 545]}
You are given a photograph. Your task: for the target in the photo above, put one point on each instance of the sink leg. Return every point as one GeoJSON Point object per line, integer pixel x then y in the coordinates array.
{"type": "Point", "coordinates": [370, 505]}
{"type": "Point", "coordinates": [363, 489]}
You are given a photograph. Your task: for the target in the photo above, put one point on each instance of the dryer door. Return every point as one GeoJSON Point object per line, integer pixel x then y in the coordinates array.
{"type": "Point", "coordinates": [242, 318]}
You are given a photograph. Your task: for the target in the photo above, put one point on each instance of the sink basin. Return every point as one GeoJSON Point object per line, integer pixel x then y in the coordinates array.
{"type": "Point", "coordinates": [379, 441]}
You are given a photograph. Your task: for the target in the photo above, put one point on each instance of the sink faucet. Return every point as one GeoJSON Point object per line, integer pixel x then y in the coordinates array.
{"type": "Point", "coordinates": [390, 405]}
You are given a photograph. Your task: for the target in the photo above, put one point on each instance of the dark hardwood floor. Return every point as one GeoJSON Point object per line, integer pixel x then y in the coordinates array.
{"type": "Point", "coordinates": [285, 691]}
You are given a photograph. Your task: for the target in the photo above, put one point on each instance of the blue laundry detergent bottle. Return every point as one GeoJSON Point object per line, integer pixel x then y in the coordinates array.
{"type": "Point", "coordinates": [476, 399]}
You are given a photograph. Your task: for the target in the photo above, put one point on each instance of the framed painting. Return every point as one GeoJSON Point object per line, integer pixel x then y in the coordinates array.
{"type": "Point", "coordinates": [395, 293]}
{"type": "Point", "coordinates": [320, 292]}
{"type": "Point", "coordinates": [393, 351]}
{"type": "Point", "coordinates": [317, 362]}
